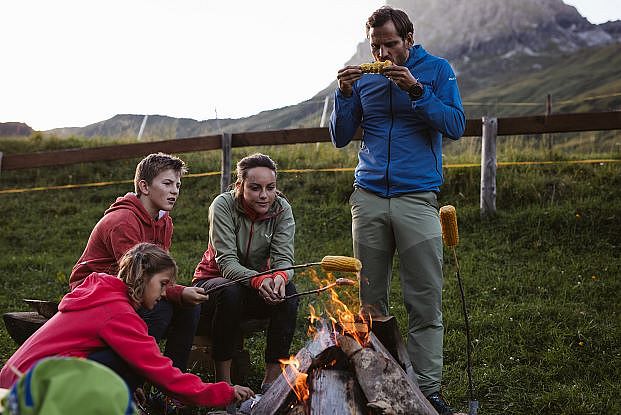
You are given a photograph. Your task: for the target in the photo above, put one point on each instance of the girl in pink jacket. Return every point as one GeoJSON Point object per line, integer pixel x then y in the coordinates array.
{"type": "Point", "coordinates": [98, 320]}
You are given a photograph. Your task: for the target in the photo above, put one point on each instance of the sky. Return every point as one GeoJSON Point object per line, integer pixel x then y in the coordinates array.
{"type": "Point", "coordinates": [70, 63]}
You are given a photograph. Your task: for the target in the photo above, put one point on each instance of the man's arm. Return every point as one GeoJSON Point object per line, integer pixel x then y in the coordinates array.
{"type": "Point", "coordinates": [347, 113]}
{"type": "Point", "coordinates": [442, 108]}
{"type": "Point", "coordinates": [439, 105]}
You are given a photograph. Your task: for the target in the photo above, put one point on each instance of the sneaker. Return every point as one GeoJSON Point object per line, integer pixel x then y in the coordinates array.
{"type": "Point", "coordinates": [439, 404]}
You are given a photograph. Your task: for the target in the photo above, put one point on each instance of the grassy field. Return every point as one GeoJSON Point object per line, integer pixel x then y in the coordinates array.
{"type": "Point", "coordinates": [542, 278]}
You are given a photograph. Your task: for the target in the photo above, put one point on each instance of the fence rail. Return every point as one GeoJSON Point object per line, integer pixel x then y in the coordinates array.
{"type": "Point", "coordinates": [538, 124]}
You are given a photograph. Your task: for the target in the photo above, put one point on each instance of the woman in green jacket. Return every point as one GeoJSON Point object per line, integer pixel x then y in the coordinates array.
{"type": "Point", "coordinates": [251, 229]}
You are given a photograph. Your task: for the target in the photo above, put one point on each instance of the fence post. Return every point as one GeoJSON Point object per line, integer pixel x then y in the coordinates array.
{"type": "Point", "coordinates": [549, 136]}
{"type": "Point", "coordinates": [225, 177]}
{"type": "Point", "coordinates": [488, 166]}
{"type": "Point", "coordinates": [324, 114]}
{"type": "Point", "coordinates": [1, 154]}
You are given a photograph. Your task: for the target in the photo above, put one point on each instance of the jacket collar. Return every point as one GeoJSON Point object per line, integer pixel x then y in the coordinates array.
{"type": "Point", "coordinates": [417, 53]}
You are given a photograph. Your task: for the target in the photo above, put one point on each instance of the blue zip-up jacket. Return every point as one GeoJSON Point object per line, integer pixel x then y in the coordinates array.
{"type": "Point", "coordinates": [401, 149]}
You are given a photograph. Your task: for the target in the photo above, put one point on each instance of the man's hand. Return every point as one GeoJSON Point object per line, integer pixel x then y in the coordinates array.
{"type": "Point", "coordinates": [193, 295]}
{"type": "Point", "coordinates": [242, 393]}
{"type": "Point", "coordinates": [400, 75]}
{"type": "Point", "coordinates": [346, 78]}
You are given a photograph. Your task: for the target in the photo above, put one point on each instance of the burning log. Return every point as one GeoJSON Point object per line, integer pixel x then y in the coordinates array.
{"type": "Point", "coordinates": [388, 336]}
{"type": "Point", "coordinates": [319, 351]}
{"type": "Point", "coordinates": [410, 376]}
{"type": "Point", "coordinates": [387, 387]}
{"type": "Point", "coordinates": [335, 392]}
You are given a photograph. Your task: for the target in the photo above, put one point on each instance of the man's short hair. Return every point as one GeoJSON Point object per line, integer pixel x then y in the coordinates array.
{"type": "Point", "coordinates": [402, 22]}
{"type": "Point", "coordinates": [153, 164]}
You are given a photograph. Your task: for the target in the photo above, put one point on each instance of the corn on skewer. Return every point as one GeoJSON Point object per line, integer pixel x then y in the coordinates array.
{"type": "Point", "coordinates": [341, 263]}
{"type": "Point", "coordinates": [448, 220]}
{"type": "Point", "coordinates": [450, 235]}
{"type": "Point", "coordinates": [328, 263]}
{"type": "Point", "coordinates": [375, 67]}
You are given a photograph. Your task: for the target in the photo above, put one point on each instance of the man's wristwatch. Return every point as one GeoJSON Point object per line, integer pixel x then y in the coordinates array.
{"type": "Point", "coordinates": [416, 91]}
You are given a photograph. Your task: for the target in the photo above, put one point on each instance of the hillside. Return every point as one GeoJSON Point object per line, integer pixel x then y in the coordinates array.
{"type": "Point", "coordinates": [541, 279]}
{"type": "Point", "coordinates": [514, 51]}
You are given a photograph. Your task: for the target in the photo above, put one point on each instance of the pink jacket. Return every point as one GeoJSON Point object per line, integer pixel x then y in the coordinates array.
{"type": "Point", "coordinates": [98, 314]}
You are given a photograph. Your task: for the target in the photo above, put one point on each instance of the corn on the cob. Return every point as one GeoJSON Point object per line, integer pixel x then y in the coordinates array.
{"type": "Point", "coordinates": [448, 220]}
{"type": "Point", "coordinates": [375, 67]}
{"type": "Point", "coordinates": [341, 263]}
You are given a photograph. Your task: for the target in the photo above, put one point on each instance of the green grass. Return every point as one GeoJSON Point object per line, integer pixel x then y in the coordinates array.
{"type": "Point", "coordinates": [542, 278]}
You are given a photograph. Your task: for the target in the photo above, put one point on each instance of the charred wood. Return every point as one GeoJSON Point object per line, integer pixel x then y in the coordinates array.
{"type": "Point", "coordinates": [387, 332]}
{"type": "Point", "coordinates": [318, 352]}
{"type": "Point", "coordinates": [335, 392]}
{"type": "Point", "coordinates": [387, 387]}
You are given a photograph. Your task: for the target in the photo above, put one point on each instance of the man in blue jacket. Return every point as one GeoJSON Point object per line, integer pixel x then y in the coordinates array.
{"type": "Point", "coordinates": [403, 111]}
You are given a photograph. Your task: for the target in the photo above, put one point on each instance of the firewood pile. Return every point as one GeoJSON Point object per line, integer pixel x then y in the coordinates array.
{"type": "Point", "coordinates": [347, 370]}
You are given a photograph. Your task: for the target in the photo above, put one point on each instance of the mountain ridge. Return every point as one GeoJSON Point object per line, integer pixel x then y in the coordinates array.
{"type": "Point", "coordinates": [503, 43]}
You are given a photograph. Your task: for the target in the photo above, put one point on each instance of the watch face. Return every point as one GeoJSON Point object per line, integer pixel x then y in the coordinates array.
{"type": "Point", "coordinates": [416, 91]}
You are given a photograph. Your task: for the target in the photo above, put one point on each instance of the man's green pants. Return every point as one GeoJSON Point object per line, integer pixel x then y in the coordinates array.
{"type": "Point", "coordinates": [409, 224]}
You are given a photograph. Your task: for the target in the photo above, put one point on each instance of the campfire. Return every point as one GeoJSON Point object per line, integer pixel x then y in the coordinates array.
{"type": "Point", "coordinates": [352, 365]}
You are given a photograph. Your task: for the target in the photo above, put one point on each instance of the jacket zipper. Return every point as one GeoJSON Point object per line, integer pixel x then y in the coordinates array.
{"type": "Point", "coordinates": [249, 242]}
{"type": "Point", "coordinates": [392, 120]}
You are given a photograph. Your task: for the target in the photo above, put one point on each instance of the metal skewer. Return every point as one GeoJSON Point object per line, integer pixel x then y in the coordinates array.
{"type": "Point", "coordinates": [340, 281]}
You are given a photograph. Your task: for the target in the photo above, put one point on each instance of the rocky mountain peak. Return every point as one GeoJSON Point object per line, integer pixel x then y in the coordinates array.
{"type": "Point", "coordinates": [459, 29]}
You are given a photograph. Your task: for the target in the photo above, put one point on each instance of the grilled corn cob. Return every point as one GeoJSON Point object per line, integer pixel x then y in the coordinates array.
{"type": "Point", "coordinates": [341, 263]}
{"type": "Point", "coordinates": [375, 67]}
{"type": "Point", "coordinates": [448, 220]}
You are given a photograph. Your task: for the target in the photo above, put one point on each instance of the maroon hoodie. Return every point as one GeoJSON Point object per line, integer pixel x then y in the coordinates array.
{"type": "Point", "coordinates": [125, 224]}
{"type": "Point", "coordinates": [98, 314]}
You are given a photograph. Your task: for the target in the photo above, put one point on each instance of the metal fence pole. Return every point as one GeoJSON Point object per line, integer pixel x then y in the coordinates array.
{"type": "Point", "coordinates": [225, 178]}
{"type": "Point", "coordinates": [488, 166]}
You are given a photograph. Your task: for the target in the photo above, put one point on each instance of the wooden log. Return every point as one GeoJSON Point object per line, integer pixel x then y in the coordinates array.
{"type": "Point", "coordinates": [335, 392]}
{"type": "Point", "coordinates": [297, 409]}
{"type": "Point", "coordinates": [387, 332]}
{"type": "Point", "coordinates": [385, 384]}
{"type": "Point", "coordinates": [21, 324]}
{"type": "Point", "coordinates": [44, 307]}
{"type": "Point", "coordinates": [279, 398]}
{"type": "Point", "coordinates": [410, 375]}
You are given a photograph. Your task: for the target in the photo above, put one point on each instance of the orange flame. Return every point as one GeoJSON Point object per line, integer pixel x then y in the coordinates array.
{"type": "Point", "coordinates": [341, 316]}
{"type": "Point", "coordinates": [347, 320]}
{"type": "Point", "coordinates": [298, 384]}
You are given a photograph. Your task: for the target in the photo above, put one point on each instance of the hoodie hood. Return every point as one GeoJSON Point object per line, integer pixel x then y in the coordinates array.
{"type": "Point", "coordinates": [97, 289]}
{"type": "Point", "coordinates": [124, 224]}
{"type": "Point", "coordinates": [130, 201]}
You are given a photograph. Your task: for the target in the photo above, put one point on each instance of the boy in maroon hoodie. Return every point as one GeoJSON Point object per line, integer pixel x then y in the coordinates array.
{"type": "Point", "coordinates": [143, 217]}
{"type": "Point", "coordinates": [100, 315]}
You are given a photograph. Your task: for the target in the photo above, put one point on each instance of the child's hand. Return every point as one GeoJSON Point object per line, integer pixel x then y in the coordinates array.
{"type": "Point", "coordinates": [193, 295]}
{"type": "Point", "coordinates": [242, 393]}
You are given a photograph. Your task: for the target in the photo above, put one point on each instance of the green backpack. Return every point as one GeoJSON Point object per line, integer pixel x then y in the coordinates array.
{"type": "Point", "coordinates": [68, 385]}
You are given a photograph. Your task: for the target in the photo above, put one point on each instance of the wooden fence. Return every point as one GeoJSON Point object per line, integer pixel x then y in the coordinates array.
{"type": "Point", "coordinates": [488, 128]}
